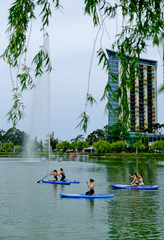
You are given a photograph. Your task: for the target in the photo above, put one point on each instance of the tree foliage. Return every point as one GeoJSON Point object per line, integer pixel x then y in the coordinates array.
{"type": "Point", "coordinates": [64, 145]}
{"type": "Point", "coordinates": [15, 136]}
{"type": "Point", "coordinates": [118, 146]}
{"type": "Point", "coordinates": [118, 131]}
{"type": "Point", "coordinates": [157, 127]}
{"type": "Point", "coordinates": [79, 137]}
{"type": "Point", "coordinates": [95, 136]}
{"type": "Point", "coordinates": [82, 144]}
{"type": "Point", "coordinates": [139, 146]}
{"type": "Point", "coordinates": [8, 146]}
{"type": "Point", "coordinates": [142, 20]}
{"type": "Point", "coordinates": [158, 145]}
{"type": "Point", "coordinates": [102, 146]}
{"type": "Point", "coordinates": [53, 141]}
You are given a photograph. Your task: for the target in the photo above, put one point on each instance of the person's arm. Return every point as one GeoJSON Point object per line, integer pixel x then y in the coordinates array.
{"type": "Point", "coordinates": [133, 181]}
{"type": "Point", "coordinates": [130, 176]}
{"type": "Point", "coordinates": [88, 184]}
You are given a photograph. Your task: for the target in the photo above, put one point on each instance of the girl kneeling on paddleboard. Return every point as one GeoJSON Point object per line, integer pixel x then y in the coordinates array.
{"type": "Point", "coordinates": [141, 183]}
{"type": "Point", "coordinates": [91, 186]}
{"type": "Point", "coordinates": [62, 175]}
{"type": "Point", "coordinates": [135, 182]}
{"type": "Point", "coordinates": [55, 173]}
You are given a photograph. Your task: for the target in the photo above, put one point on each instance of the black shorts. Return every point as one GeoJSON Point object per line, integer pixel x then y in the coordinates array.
{"type": "Point", "coordinates": [90, 192]}
{"type": "Point", "coordinates": [62, 178]}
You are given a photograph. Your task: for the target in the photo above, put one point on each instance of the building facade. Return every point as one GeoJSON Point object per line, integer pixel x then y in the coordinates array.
{"type": "Point", "coordinates": [142, 97]}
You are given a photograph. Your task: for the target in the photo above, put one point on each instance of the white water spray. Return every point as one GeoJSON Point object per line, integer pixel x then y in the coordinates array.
{"type": "Point", "coordinates": [39, 119]}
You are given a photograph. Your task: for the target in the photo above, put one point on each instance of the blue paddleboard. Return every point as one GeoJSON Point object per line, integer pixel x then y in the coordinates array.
{"type": "Point", "coordinates": [86, 196]}
{"type": "Point", "coordinates": [145, 187]}
{"type": "Point", "coordinates": [74, 181]}
{"type": "Point", "coordinates": [58, 182]}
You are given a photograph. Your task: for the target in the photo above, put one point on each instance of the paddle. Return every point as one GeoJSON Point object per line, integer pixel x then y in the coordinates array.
{"type": "Point", "coordinates": [44, 177]}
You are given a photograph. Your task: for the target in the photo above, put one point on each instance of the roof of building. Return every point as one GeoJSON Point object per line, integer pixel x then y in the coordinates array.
{"type": "Point", "coordinates": [142, 60]}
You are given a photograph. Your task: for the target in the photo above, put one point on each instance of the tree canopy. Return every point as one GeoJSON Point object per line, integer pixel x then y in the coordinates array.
{"type": "Point", "coordinates": [142, 20]}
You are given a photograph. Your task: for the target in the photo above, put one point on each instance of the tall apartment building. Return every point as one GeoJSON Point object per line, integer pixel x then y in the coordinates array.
{"type": "Point", "coordinates": [142, 96]}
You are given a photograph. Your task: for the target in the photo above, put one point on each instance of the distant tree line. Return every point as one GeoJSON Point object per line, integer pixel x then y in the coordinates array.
{"type": "Point", "coordinates": [109, 139]}
{"type": "Point", "coordinates": [14, 140]}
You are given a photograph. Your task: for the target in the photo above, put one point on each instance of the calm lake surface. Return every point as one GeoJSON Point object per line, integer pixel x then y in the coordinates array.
{"type": "Point", "coordinates": [35, 211]}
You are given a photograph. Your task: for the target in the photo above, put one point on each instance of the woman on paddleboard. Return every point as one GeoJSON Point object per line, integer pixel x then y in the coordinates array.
{"type": "Point", "coordinates": [62, 175]}
{"type": "Point", "coordinates": [55, 173]}
{"type": "Point", "coordinates": [91, 186]}
{"type": "Point", "coordinates": [140, 176]}
{"type": "Point", "coordinates": [135, 182]}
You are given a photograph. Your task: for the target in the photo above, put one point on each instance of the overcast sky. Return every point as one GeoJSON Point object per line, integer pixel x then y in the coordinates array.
{"type": "Point", "coordinates": [71, 41]}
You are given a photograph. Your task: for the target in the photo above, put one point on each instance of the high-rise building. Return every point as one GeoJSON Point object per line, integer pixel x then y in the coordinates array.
{"type": "Point", "coordinates": [142, 97]}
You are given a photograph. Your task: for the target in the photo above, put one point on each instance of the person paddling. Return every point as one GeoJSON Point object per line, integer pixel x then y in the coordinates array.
{"type": "Point", "coordinates": [135, 182]}
{"type": "Point", "coordinates": [62, 175]}
{"type": "Point", "coordinates": [55, 174]}
{"type": "Point", "coordinates": [91, 186]}
{"type": "Point", "coordinates": [140, 176]}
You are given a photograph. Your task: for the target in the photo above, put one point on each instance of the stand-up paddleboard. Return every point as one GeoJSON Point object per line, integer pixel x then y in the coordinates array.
{"type": "Point", "coordinates": [86, 196]}
{"type": "Point", "coordinates": [74, 181]}
{"type": "Point", "coordinates": [145, 187]}
{"type": "Point", "coordinates": [53, 182]}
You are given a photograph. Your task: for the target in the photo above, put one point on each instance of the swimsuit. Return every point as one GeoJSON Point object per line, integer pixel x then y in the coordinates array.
{"type": "Point", "coordinates": [136, 181]}
{"type": "Point", "coordinates": [63, 177]}
{"type": "Point", "coordinates": [141, 182]}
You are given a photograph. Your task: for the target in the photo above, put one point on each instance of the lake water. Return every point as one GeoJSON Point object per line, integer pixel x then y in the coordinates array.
{"type": "Point", "coordinates": [35, 211]}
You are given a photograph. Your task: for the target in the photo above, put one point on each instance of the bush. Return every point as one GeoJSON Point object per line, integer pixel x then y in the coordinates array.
{"type": "Point", "coordinates": [158, 145]}
{"type": "Point", "coordinates": [102, 146]}
{"type": "Point", "coordinates": [139, 146]}
{"type": "Point", "coordinates": [118, 146]}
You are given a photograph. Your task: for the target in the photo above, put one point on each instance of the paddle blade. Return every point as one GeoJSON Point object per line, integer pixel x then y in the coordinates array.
{"type": "Point", "coordinates": [39, 181]}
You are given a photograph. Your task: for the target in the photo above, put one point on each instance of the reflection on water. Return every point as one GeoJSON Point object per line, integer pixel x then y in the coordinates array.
{"type": "Point", "coordinates": [31, 210]}
{"type": "Point", "coordinates": [135, 217]}
{"type": "Point", "coordinates": [90, 204]}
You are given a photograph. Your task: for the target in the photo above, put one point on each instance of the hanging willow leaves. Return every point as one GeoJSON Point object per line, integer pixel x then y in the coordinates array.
{"type": "Point", "coordinates": [90, 99]}
{"type": "Point", "coordinates": [142, 20]}
{"type": "Point", "coordinates": [17, 111]}
{"type": "Point", "coordinates": [21, 14]}
{"type": "Point", "coordinates": [26, 80]}
{"type": "Point", "coordinates": [41, 61]}
{"type": "Point", "coordinates": [83, 122]}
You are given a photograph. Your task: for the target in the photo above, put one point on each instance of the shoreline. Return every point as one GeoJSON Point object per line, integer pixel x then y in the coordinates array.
{"type": "Point", "coordinates": [95, 155]}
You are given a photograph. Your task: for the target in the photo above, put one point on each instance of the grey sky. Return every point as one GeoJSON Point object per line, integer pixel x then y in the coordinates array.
{"type": "Point", "coordinates": [71, 36]}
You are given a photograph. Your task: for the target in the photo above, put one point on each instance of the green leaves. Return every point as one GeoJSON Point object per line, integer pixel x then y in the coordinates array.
{"type": "Point", "coordinates": [41, 60]}
{"type": "Point", "coordinates": [90, 99]}
{"type": "Point", "coordinates": [46, 12]}
{"type": "Point", "coordinates": [156, 40]}
{"type": "Point", "coordinates": [103, 59]}
{"type": "Point", "coordinates": [141, 20]}
{"type": "Point", "coordinates": [83, 122]}
{"type": "Point", "coordinates": [21, 14]}
{"type": "Point", "coordinates": [17, 111]}
{"type": "Point", "coordinates": [162, 88]}
{"type": "Point", "coordinates": [91, 7]}
{"type": "Point", "coordinates": [25, 79]}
